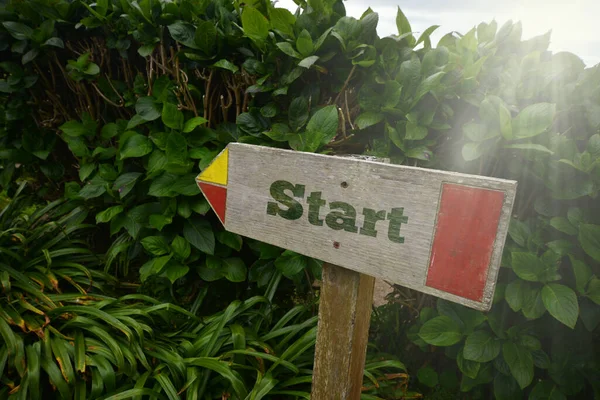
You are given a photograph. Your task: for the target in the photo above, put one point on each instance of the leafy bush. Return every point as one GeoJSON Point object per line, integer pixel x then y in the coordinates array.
{"type": "Point", "coordinates": [140, 93]}
{"type": "Point", "coordinates": [61, 328]}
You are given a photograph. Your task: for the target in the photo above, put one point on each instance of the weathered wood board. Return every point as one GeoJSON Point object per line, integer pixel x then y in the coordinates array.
{"type": "Point", "coordinates": [341, 347]}
{"type": "Point", "coordinates": [437, 232]}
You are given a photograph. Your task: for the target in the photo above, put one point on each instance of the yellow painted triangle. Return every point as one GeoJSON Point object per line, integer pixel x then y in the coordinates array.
{"type": "Point", "coordinates": [216, 172]}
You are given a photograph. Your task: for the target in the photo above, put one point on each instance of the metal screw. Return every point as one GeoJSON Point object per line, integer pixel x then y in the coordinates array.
{"type": "Point", "coordinates": [344, 184]}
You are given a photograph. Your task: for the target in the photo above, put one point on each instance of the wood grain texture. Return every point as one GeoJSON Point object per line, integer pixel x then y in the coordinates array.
{"type": "Point", "coordinates": [342, 335]}
{"type": "Point", "coordinates": [363, 184]}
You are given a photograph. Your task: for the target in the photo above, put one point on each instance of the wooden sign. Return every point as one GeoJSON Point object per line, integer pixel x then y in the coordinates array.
{"type": "Point", "coordinates": [437, 232]}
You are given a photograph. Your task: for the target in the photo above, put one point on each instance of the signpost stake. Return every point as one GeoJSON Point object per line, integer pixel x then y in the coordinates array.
{"type": "Point", "coordinates": [342, 334]}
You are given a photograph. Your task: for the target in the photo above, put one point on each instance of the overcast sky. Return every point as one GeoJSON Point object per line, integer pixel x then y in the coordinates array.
{"type": "Point", "coordinates": [575, 24]}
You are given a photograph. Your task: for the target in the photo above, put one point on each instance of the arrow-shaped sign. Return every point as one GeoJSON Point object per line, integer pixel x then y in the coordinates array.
{"type": "Point", "coordinates": [438, 232]}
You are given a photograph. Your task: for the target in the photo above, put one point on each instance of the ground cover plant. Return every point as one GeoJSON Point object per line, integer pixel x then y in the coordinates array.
{"type": "Point", "coordinates": [110, 108]}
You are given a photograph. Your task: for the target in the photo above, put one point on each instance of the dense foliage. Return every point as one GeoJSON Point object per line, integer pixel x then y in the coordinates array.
{"type": "Point", "coordinates": [112, 107]}
{"type": "Point", "coordinates": [70, 335]}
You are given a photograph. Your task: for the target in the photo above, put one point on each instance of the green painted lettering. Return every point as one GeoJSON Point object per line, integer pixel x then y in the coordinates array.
{"type": "Point", "coordinates": [294, 208]}
{"type": "Point", "coordinates": [346, 219]}
{"type": "Point", "coordinates": [342, 216]}
{"type": "Point", "coordinates": [371, 218]}
{"type": "Point", "coordinates": [397, 218]}
{"type": "Point", "coordinates": [314, 206]}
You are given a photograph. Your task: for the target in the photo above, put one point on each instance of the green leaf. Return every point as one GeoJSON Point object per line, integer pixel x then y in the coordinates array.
{"type": "Point", "coordinates": [533, 120]}
{"type": "Point", "coordinates": [176, 150]}
{"type": "Point", "coordinates": [589, 313]}
{"type": "Point", "coordinates": [212, 270]}
{"type": "Point", "coordinates": [546, 390]}
{"type": "Point", "coordinates": [481, 346]}
{"type": "Point", "coordinates": [288, 49]}
{"type": "Point", "coordinates": [125, 183]}
{"type": "Point", "coordinates": [291, 264]}
{"type": "Point", "coordinates": [109, 131]}
{"type": "Point", "coordinates": [428, 84]}
{"type": "Point", "coordinates": [29, 56]}
{"type": "Point", "coordinates": [169, 185]}
{"type": "Point", "coordinates": [325, 121]}
{"type": "Point", "coordinates": [505, 119]}
{"type": "Point", "coordinates": [308, 141]}
{"type": "Point", "coordinates": [155, 245]}
{"type": "Point", "coordinates": [520, 362]}
{"type": "Point", "coordinates": [159, 221]}
{"type": "Point", "coordinates": [73, 128]}
{"type": "Point", "coordinates": [226, 64]}
{"type": "Point", "coordinates": [234, 269]}
{"type": "Point", "coordinates": [515, 294]}
{"type": "Point", "coordinates": [135, 146]}
{"type": "Point", "coordinates": [593, 290]}
{"type": "Point", "coordinates": [415, 132]}
{"type": "Point", "coordinates": [94, 188]}
{"type": "Point", "coordinates": [527, 266]}
{"type": "Point", "coordinates": [593, 146]}
{"type": "Point", "coordinates": [172, 116]}
{"type": "Point", "coordinates": [146, 50]}
{"type": "Point", "coordinates": [425, 36]}
{"type": "Point", "coordinates": [561, 303]}
{"type": "Point", "coordinates": [478, 132]}
{"type": "Point", "coordinates": [153, 267]}
{"type": "Point", "coordinates": [582, 272]}
{"type": "Point", "coordinates": [147, 108]}
{"type": "Point", "coordinates": [17, 30]}
{"type": "Point", "coordinates": [589, 237]}
{"type": "Point", "coordinates": [533, 306]}
{"type": "Point", "coordinates": [441, 331]}
{"type": "Point", "coordinates": [86, 170]}
{"type": "Point", "coordinates": [420, 153]}
{"type": "Point", "coordinates": [562, 224]}
{"type": "Point", "coordinates": [135, 121]}
{"type": "Point", "coordinates": [519, 231]}
{"type": "Point", "coordinates": [206, 36]}
{"type": "Point", "coordinates": [181, 248]}
{"type": "Point", "coordinates": [298, 113]}
{"type": "Point", "coordinates": [506, 388]}
{"type": "Point", "coordinates": [191, 124]}
{"type": "Point", "coordinates": [255, 25]}
{"type": "Point", "coordinates": [304, 43]}
{"type": "Point", "coordinates": [427, 376]}
{"type": "Point", "coordinates": [368, 118]}
{"type": "Point", "coordinates": [174, 271]}
{"type": "Point", "coordinates": [108, 214]}
{"type": "Point", "coordinates": [282, 20]}
{"type": "Point", "coordinates": [466, 318]}
{"type": "Point", "coordinates": [92, 69]}
{"type": "Point", "coordinates": [308, 61]}
{"type": "Point", "coordinates": [200, 205]}
{"type": "Point", "coordinates": [200, 235]}
{"type": "Point", "coordinates": [467, 367]}
{"type": "Point", "coordinates": [230, 239]}
{"type": "Point", "coordinates": [183, 33]}
{"type": "Point", "coordinates": [404, 27]}
{"type": "Point", "coordinates": [472, 151]}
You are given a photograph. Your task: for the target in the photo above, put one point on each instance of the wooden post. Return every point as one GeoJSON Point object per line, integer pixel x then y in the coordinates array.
{"type": "Point", "coordinates": [343, 333]}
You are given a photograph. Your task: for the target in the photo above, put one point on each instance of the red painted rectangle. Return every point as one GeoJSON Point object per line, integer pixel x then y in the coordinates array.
{"type": "Point", "coordinates": [466, 228]}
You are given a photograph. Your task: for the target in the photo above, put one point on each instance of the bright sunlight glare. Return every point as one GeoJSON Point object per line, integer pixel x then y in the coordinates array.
{"type": "Point", "coordinates": [573, 24]}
